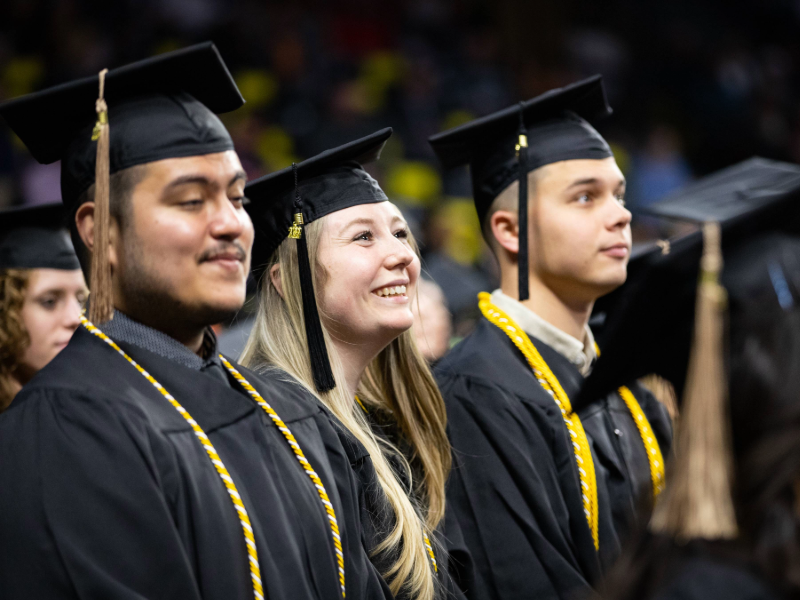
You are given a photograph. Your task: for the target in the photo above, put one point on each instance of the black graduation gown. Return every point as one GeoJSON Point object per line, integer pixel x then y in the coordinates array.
{"type": "Point", "coordinates": [514, 488]}
{"type": "Point", "coordinates": [658, 568]}
{"type": "Point", "coordinates": [704, 578]}
{"type": "Point", "coordinates": [621, 463]}
{"type": "Point", "coordinates": [105, 491]}
{"type": "Point", "coordinates": [378, 519]}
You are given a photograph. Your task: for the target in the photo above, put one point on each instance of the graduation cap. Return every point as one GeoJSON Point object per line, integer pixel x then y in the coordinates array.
{"type": "Point", "coordinates": [505, 146]}
{"type": "Point", "coordinates": [282, 203]}
{"type": "Point", "coordinates": [36, 238]}
{"type": "Point", "coordinates": [671, 323]}
{"type": "Point", "coordinates": [161, 107]}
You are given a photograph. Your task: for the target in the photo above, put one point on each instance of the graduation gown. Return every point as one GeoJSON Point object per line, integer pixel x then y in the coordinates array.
{"type": "Point", "coordinates": [658, 568]}
{"type": "Point", "coordinates": [514, 488]}
{"type": "Point", "coordinates": [704, 578]}
{"type": "Point", "coordinates": [105, 492]}
{"type": "Point", "coordinates": [378, 519]}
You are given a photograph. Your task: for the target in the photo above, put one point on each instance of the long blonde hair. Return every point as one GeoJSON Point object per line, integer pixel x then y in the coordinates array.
{"type": "Point", "coordinates": [397, 381]}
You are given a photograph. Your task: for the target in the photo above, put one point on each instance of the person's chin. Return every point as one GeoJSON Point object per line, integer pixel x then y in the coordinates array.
{"type": "Point", "coordinates": [221, 307]}
{"type": "Point", "coordinates": [394, 327]}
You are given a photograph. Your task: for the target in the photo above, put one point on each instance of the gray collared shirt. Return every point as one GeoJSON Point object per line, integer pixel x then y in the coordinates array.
{"type": "Point", "coordinates": [124, 329]}
{"type": "Point", "coordinates": [582, 354]}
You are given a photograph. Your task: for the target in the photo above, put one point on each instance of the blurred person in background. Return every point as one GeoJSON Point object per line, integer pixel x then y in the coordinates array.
{"type": "Point", "coordinates": [545, 495]}
{"type": "Point", "coordinates": [719, 317]}
{"type": "Point", "coordinates": [432, 322]}
{"type": "Point", "coordinates": [42, 293]}
{"type": "Point", "coordinates": [335, 314]}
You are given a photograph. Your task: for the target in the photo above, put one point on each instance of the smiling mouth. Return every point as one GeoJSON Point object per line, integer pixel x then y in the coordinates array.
{"type": "Point", "coordinates": [391, 291]}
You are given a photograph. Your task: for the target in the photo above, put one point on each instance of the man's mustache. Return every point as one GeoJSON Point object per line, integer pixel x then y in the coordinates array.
{"type": "Point", "coordinates": [224, 250]}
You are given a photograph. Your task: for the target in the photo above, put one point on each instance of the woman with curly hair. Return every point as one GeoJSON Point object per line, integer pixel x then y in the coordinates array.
{"type": "Point", "coordinates": [42, 291]}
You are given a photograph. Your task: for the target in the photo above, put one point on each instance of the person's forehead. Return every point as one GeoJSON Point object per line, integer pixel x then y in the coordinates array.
{"type": "Point", "coordinates": [569, 171]}
{"type": "Point", "coordinates": [376, 211]}
{"type": "Point", "coordinates": [41, 279]}
{"type": "Point", "coordinates": [219, 165]}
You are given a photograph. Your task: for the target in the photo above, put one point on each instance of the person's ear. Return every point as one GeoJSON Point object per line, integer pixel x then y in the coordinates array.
{"type": "Point", "coordinates": [505, 229]}
{"type": "Point", "coordinates": [275, 278]}
{"type": "Point", "coordinates": [84, 222]}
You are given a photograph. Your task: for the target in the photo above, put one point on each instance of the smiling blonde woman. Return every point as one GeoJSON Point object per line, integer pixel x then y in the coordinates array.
{"type": "Point", "coordinates": [325, 226]}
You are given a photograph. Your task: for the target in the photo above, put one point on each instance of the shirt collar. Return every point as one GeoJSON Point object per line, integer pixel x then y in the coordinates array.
{"type": "Point", "coordinates": [582, 354]}
{"type": "Point", "coordinates": [124, 329]}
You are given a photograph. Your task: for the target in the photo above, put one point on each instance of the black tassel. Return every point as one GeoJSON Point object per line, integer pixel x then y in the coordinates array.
{"type": "Point", "coordinates": [317, 350]}
{"type": "Point", "coordinates": [522, 257]}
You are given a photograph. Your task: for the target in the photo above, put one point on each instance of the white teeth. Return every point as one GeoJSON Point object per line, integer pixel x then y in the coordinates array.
{"type": "Point", "coordinates": [392, 291]}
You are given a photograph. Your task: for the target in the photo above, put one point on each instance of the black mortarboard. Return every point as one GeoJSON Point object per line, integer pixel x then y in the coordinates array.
{"type": "Point", "coordinates": [36, 238]}
{"type": "Point", "coordinates": [651, 330]}
{"type": "Point", "coordinates": [282, 203]}
{"type": "Point", "coordinates": [505, 146]}
{"type": "Point", "coordinates": [158, 108]}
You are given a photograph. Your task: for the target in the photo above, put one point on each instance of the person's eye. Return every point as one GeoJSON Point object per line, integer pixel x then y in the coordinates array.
{"type": "Point", "coordinates": [621, 199]}
{"type": "Point", "coordinates": [401, 234]}
{"type": "Point", "coordinates": [81, 298]}
{"type": "Point", "coordinates": [364, 236]}
{"type": "Point", "coordinates": [583, 199]}
{"type": "Point", "coordinates": [190, 204]}
{"type": "Point", "coordinates": [240, 201]}
{"type": "Point", "coordinates": [48, 302]}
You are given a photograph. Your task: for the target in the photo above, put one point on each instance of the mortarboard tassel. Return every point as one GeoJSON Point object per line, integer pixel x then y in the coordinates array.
{"type": "Point", "coordinates": [522, 211]}
{"type": "Point", "coordinates": [317, 350]}
{"type": "Point", "coordinates": [697, 503]}
{"type": "Point", "coordinates": [101, 307]}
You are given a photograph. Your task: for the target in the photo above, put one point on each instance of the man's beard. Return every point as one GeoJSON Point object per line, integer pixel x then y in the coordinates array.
{"type": "Point", "coordinates": [149, 299]}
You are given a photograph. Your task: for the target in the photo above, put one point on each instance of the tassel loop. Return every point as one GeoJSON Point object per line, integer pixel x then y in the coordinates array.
{"type": "Point", "coordinates": [101, 307]}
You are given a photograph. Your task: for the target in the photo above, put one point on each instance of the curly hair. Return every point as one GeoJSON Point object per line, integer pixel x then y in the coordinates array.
{"type": "Point", "coordinates": [14, 338]}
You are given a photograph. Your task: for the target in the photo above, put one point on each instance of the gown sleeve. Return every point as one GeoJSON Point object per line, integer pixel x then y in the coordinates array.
{"type": "Point", "coordinates": [82, 510]}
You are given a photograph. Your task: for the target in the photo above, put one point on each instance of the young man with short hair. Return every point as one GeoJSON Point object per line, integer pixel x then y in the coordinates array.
{"type": "Point", "coordinates": [141, 463]}
{"type": "Point", "coordinates": [544, 494]}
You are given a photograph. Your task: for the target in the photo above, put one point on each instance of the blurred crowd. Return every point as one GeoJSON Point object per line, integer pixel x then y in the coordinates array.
{"type": "Point", "coordinates": [696, 85]}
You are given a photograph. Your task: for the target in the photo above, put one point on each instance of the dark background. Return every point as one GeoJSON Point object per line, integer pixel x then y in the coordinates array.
{"type": "Point", "coordinates": [696, 85]}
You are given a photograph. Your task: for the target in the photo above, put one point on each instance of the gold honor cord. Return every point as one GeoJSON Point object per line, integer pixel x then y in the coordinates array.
{"type": "Point", "coordinates": [424, 533]}
{"type": "Point", "coordinates": [651, 447]}
{"type": "Point", "coordinates": [301, 457]}
{"type": "Point", "coordinates": [648, 439]}
{"type": "Point", "coordinates": [244, 519]}
{"type": "Point", "coordinates": [550, 383]}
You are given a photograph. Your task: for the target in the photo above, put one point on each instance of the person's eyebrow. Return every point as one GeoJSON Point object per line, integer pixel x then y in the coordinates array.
{"type": "Point", "coordinates": [593, 181]}
{"type": "Point", "coordinates": [239, 176]}
{"type": "Point", "coordinates": [203, 180]}
{"type": "Point", "coordinates": [587, 181]}
{"type": "Point", "coordinates": [187, 179]}
{"type": "Point", "coordinates": [359, 221]}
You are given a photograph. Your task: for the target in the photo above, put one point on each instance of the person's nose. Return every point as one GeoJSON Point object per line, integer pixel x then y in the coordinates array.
{"type": "Point", "coordinates": [228, 222]}
{"type": "Point", "coordinates": [619, 217]}
{"type": "Point", "coordinates": [400, 255]}
{"type": "Point", "coordinates": [72, 314]}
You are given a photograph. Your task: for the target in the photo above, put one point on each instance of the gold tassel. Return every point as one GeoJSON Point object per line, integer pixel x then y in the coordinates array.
{"type": "Point", "coordinates": [664, 392]}
{"type": "Point", "coordinates": [101, 307]}
{"type": "Point", "coordinates": [697, 502]}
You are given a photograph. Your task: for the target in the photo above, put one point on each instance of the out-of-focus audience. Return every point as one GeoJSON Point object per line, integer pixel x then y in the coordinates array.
{"type": "Point", "coordinates": [697, 88]}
